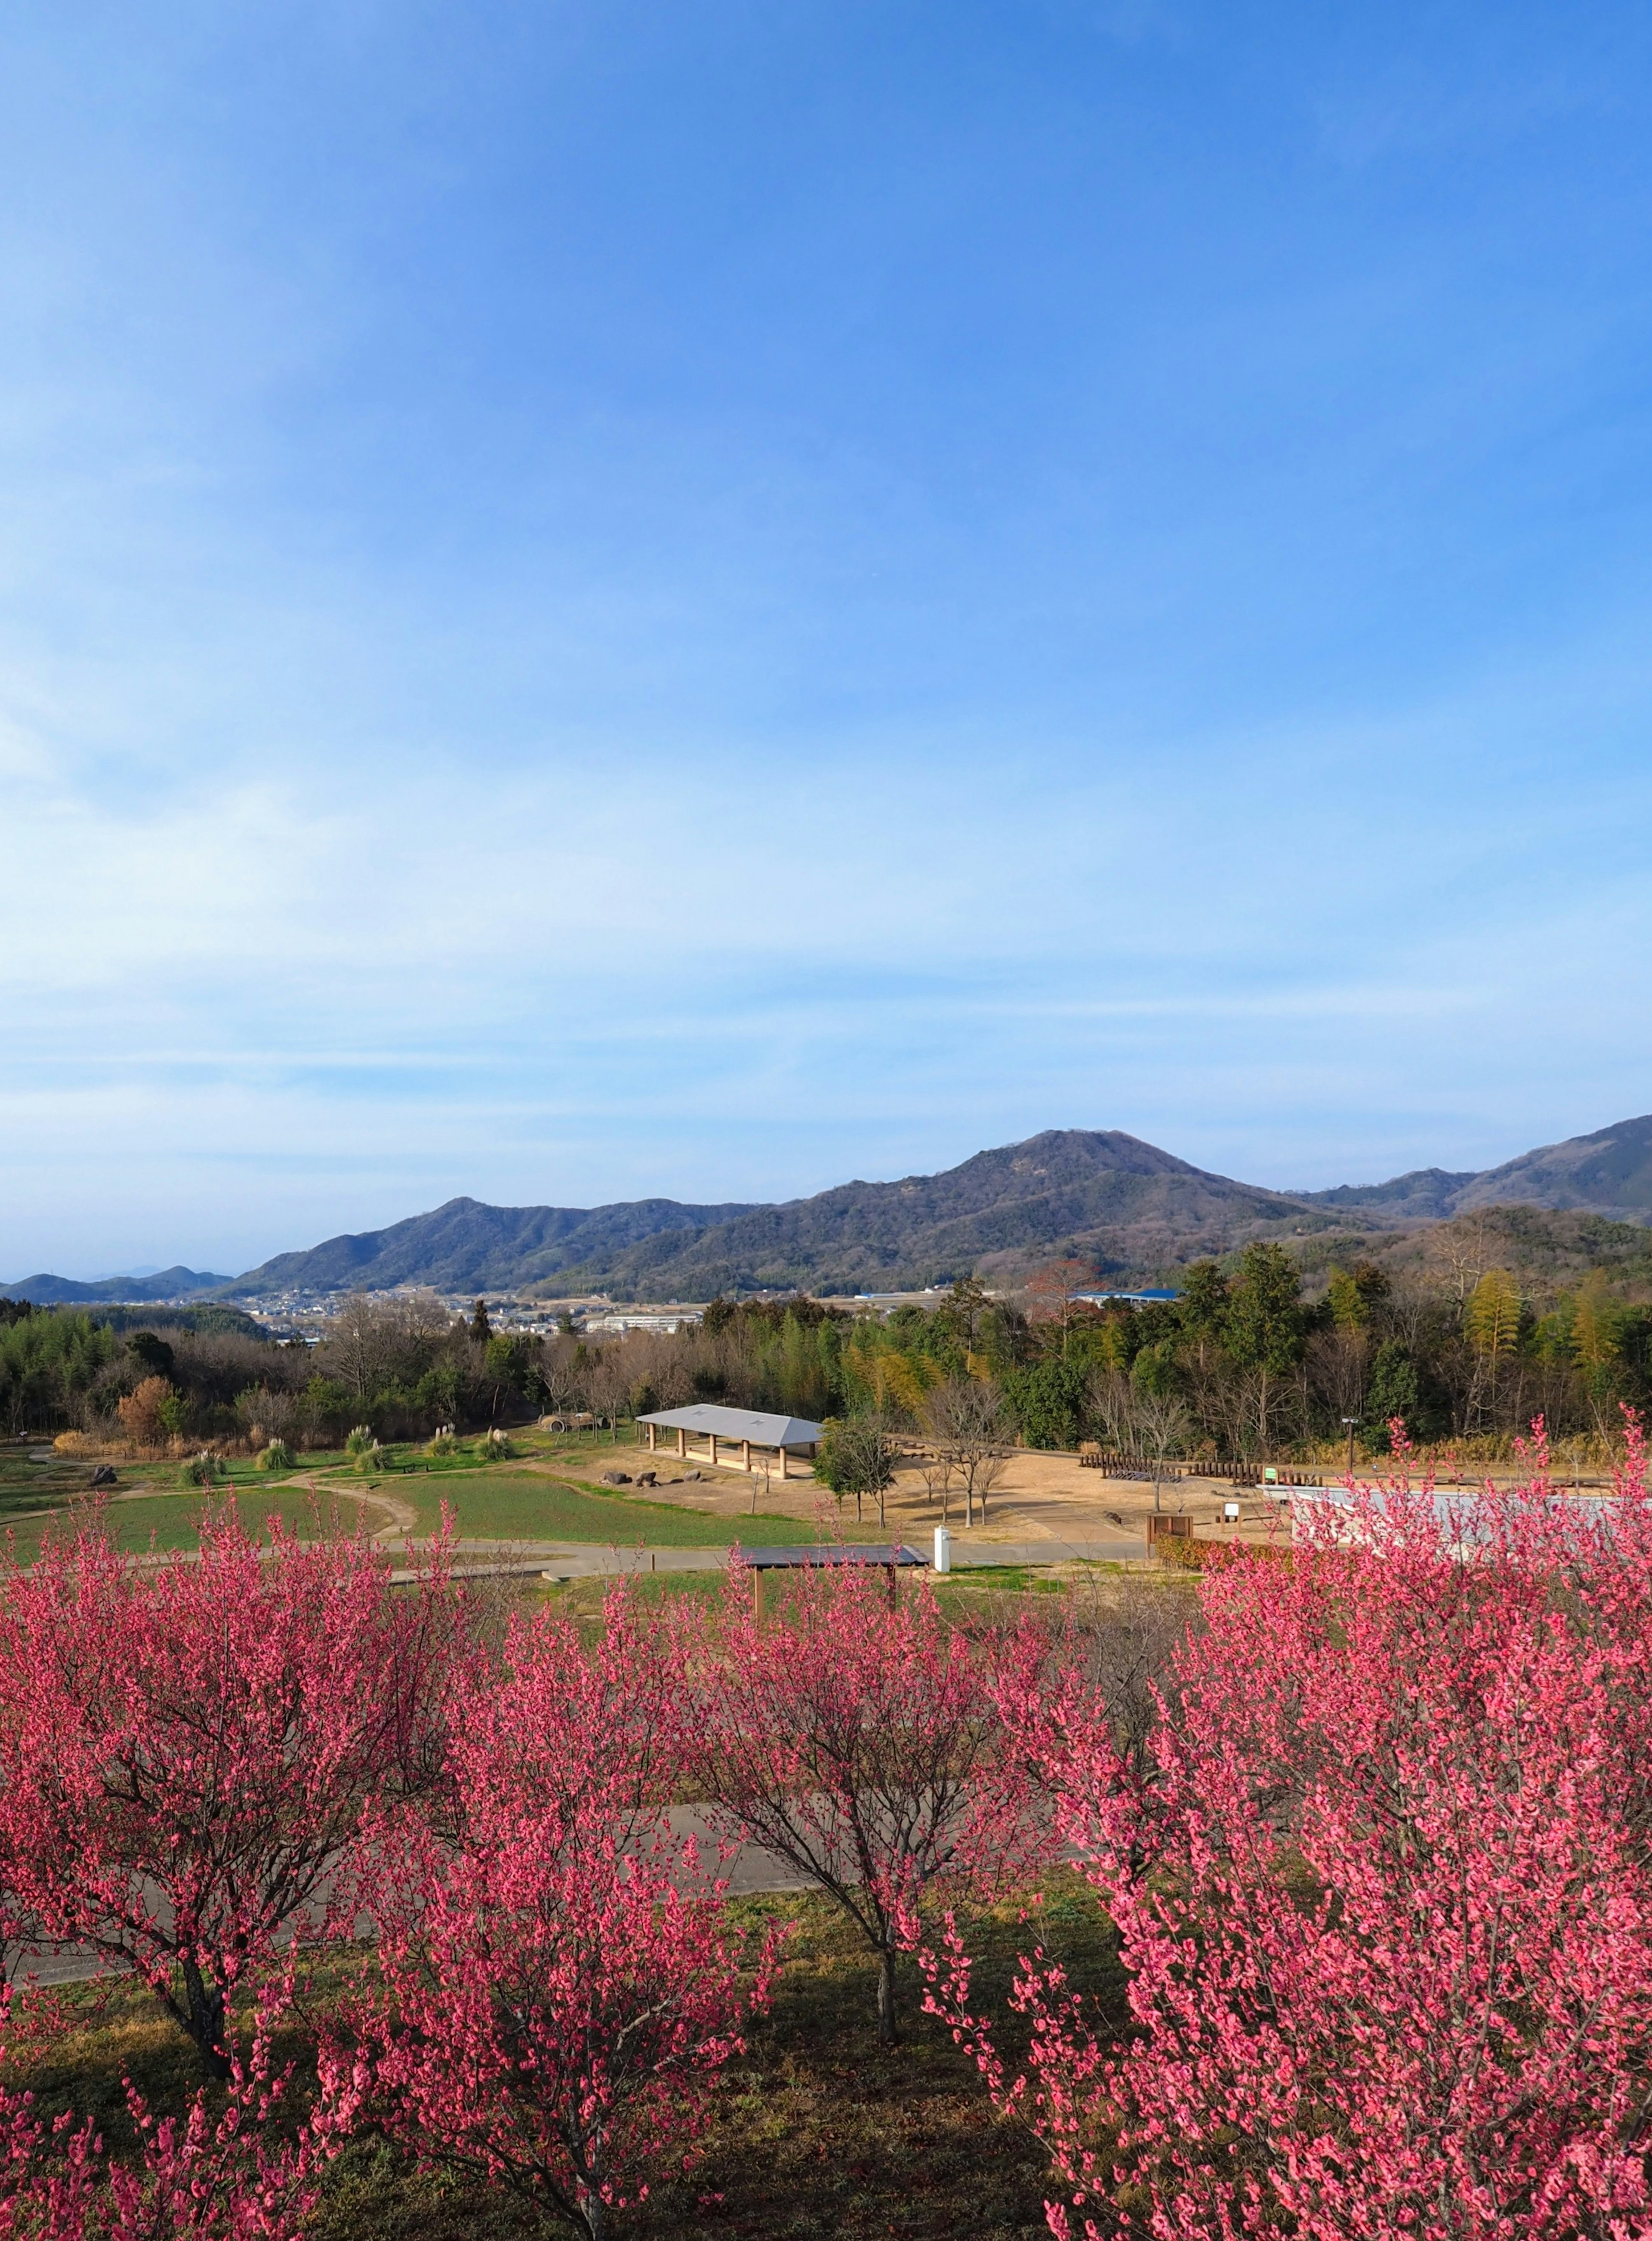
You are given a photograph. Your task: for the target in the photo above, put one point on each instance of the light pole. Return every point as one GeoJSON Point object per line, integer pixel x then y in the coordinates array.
{"type": "Point", "coordinates": [1350, 1421]}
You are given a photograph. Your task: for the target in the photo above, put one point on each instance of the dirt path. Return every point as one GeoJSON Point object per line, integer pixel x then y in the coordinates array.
{"type": "Point", "coordinates": [1039, 1497]}
{"type": "Point", "coordinates": [404, 1518]}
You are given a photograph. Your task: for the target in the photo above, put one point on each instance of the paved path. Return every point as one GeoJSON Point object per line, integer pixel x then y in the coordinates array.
{"type": "Point", "coordinates": [573, 1560]}
{"type": "Point", "coordinates": [749, 1870]}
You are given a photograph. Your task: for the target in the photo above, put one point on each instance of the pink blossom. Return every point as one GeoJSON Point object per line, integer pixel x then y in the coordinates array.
{"type": "Point", "coordinates": [1381, 1890]}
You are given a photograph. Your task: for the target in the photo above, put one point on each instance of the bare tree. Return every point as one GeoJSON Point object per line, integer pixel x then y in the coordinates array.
{"type": "Point", "coordinates": [1125, 1632]}
{"type": "Point", "coordinates": [607, 1383]}
{"type": "Point", "coordinates": [1337, 1363]}
{"type": "Point", "coordinates": [377, 1335]}
{"type": "Point", "coordinates": [938, 1485]}
{"type": "Point", "coordinates": [1110, 1402]}
{"type": "Point", "coordinates": [558, 1378]}
{"type": "Point", "coordinates": [1162, 1424]}
{"type": "Point", "coordinates": [1459, 1252]}
{"type": "Point", "coordinates": [965, 1418]}
{"type": "Point", "coordinates": [267, 1413]}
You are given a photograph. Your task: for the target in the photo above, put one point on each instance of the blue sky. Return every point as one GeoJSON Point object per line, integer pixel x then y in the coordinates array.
{"type": "Point", "coordinates": [707, 600]}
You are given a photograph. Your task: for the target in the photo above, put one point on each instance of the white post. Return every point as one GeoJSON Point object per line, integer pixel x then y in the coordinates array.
{"type": "Point", "coordinates": [943, 1549]}
{"type": "Point", "coordinates": [653, 1434]}
{"type": "Point", "coordinates": [746, 1455]}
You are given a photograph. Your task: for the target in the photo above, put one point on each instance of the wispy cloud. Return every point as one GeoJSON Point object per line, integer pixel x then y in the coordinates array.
{"type": "Point", "coordinates": [602, 603]}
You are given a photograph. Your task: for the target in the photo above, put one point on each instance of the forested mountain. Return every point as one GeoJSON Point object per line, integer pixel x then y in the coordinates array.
{"type": "Point", "coordinates": [1609, 1173]}
{"type": "Point", "coordinates": [1100, 1196]}
{"type": "Point", "coordinates": [1127, 1210]}
{"type": "Point", "coordinates": [465, 1246]}
{"type": "Point", "coordinates": [1426, 1194]}
{"type": "Point", "coordinates": [1122, 1204]}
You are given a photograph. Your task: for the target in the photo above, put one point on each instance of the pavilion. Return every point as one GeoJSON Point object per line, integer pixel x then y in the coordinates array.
{"type": "Point", "coordinates": [775, 1437]}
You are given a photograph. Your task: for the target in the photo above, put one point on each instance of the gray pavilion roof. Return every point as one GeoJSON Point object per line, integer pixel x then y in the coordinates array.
{"type": "Point", "coordinates": [739, 1424]}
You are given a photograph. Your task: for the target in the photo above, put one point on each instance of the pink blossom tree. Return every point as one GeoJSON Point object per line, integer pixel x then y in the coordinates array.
{"type": "Point", "coordinates": [858, 1739]}
{"type": "Point", "coordinates": [1382, 1888]}
{"type": "Point", "coordinates": [188, 1749]}
{"type": "Point", "coordinates": [217, 2175]}
{"type": "Point", "coordinates": [558, 1990]}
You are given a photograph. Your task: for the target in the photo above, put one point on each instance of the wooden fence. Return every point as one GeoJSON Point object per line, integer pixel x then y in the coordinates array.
{"type": "Point", "coordinates": [1116, 1463]}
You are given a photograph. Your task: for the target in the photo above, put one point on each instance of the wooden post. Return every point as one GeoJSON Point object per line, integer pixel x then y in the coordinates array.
{"type": "Point", "coordinates": [746, 1455]}
{"type": "Point", "coordinates": [782, 1462]}
{"type": "Point", "coordinates": [712, 1437]}
{"type": "Point", "coordinates": [682, 1442]}
{"type": "Point", "coordinates": [654, 1431]}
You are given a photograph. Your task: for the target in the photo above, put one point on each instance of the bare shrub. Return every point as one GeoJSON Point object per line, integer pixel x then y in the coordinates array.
{"type": "Point", "coordinates": [267, 1413]}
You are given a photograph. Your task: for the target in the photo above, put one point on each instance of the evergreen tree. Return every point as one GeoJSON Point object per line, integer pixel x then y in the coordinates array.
{"type": "Point", "coordinates": [857, 1455]}
{"type": "Point", "coordinates": [1394, 1391]}
{"type": "Point", "coordinates": [1048, 1401]}
{"type": "Point", "coordinates": [1348, 1310]}
{"type": "Point", "coordinates": [1264, 1331]}
{"type": "Point", "coordinates": [1202, 1309]}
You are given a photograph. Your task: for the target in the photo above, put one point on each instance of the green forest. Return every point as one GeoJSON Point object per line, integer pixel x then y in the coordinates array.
{"type": "Point", "coordinates": [1248, 1361]}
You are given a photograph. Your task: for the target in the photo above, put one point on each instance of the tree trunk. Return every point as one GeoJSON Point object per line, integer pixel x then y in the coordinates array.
{"type": "Point", "coordinates": [888, 2033]}
{"type": "Point", "coordinates": [205, 2020]}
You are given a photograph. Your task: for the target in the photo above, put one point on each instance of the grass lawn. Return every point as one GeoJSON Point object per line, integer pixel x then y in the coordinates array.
{"type": "Point", "coordinates": [816, 2130]}
{"type": "Point", "coordinates": [499, 1503]}
{"type": "Point", "coordinates": [490, 1501]}
{"type": "Point", "coordinates": [171, 1520]}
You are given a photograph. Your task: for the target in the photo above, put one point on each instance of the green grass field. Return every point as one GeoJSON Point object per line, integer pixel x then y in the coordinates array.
{"type": "Point", "coordinates": [171, 1520]}
{"type": "Point", "coordinates": [490, 1501]}
{"type": "Point", "coordinates": [502, 1504]}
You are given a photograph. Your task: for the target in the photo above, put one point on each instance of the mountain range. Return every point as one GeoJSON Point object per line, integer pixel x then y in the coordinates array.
{"type": "Point", "coordinates": [179, 1283]}
{"type": "Point", "coordinates": [1127, 1208]}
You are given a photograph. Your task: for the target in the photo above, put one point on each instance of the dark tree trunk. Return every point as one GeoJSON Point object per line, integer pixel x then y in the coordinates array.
{"type": "Point", "coordinates": [888, 2035]}
{"type": "Point", "coordinates": [205, 2020]}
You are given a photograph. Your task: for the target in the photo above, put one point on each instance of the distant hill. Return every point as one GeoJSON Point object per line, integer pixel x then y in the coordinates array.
{"type": "Point", "coordinates": [1094, 1194]}
{"type": "Point", "coordinates": [1426, 1194]}
{"type": "Point", "coordinates": [1102, 1195]}
{"type": "Point", "coordinates": [1127, 1208]}
{"type": "Point", "coordinates": [467, 1246]}
{"type": "Point", "coordinates": [1608, 1174]}
{"type": "Point", "coordinates": [167, 1284]}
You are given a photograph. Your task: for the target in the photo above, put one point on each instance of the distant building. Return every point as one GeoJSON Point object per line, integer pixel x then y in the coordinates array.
{"type": "Point", "coordinates": [667, 1321]}
{"type": "Point", "coordinates": [1135, 1299]}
